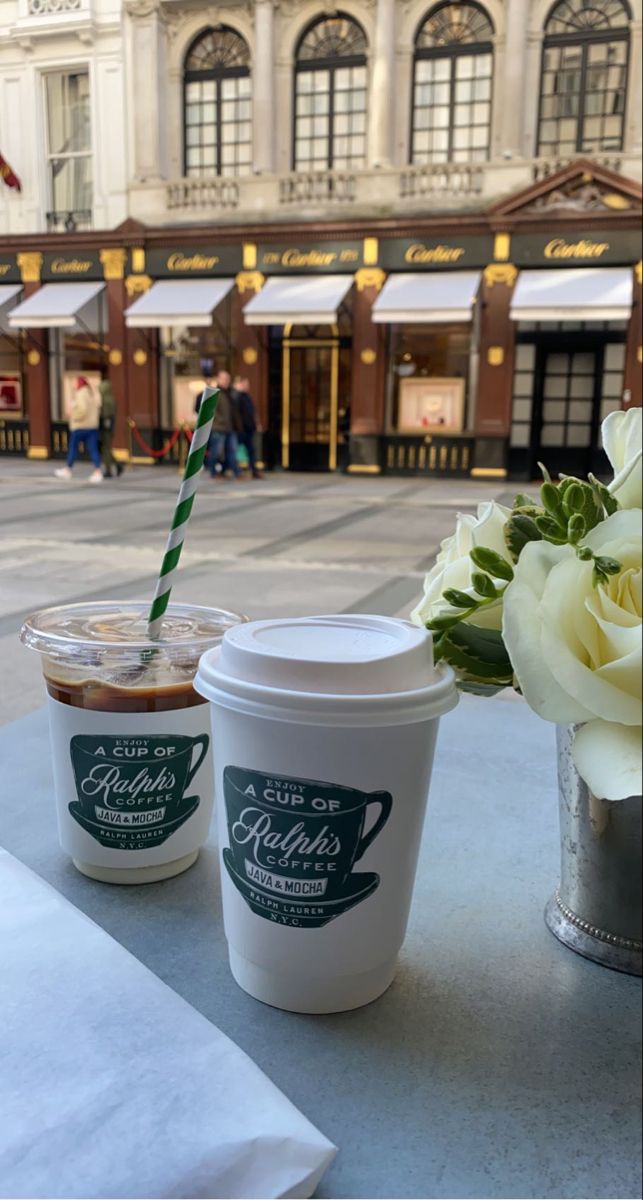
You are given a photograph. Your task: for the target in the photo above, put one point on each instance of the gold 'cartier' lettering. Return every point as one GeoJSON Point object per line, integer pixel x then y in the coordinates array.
{"type": "Point", "coordinates": [418, 253]}
{"type": "Point", "coordinates": [559, 248]}
{"type": "Point", "coordinates": [70, 266]}
{"type": "Point", "coordinates": [308, 258]}
{"type": "Point", "coordinates": [191, 262]}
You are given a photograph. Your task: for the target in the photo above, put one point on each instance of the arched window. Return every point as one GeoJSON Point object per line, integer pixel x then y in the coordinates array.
{"type": "Point", "coordinates": [216, 104]}
{"type": "Point", "coordinates": [453, 67]}
{"type": "Point", "coordinates": [330, 95]}
{"type": "Point", "coordinates": [584, 77]}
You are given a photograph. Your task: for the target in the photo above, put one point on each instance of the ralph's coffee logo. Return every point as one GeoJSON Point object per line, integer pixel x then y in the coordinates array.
{"type": "Point", "coordinates": [294, 843]}
{"type": "Point", "coordinates": [131, 789]}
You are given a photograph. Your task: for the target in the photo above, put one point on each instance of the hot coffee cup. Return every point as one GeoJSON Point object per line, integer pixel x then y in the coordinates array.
{"type": "Point", "coordinates": [130, 737]}
{"type": "Point", "coordinates": [324, 730]}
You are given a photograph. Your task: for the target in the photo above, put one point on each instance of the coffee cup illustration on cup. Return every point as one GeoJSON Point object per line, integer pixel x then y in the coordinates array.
{"type": "Point", "coordinates": [131, 788]}
{"type": "Point", "coordinates": [294, 844]}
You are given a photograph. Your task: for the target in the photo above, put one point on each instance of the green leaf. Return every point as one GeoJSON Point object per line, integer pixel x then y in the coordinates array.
{"type": "Point", "coordinates": [494, 564]}
{"type": "Point", "coordinates": [483, 585]}
{"type": "Point", "coordinates": [444, 621]}
{"type": "Point", "coordinates": [576, 528]}
{"type": "Point", "coordinates": [518, 530]}
{"type": "Point", "coordinates": [459, 599]}
{"type": "Point", "coordinates": [483, 643]}
{"type": "Point", "coordinates": [609, 566]}
{"type": "Point", "coordinates": [479, 654]}
{"type": "Point", "coordinates": [544, 472]}
{"type": "Point", "coordinates": [552, 502]}
{"type": "Point", "coordinates": [551, 530]}
{"type": "Point", "coordinates": [604, 496]}
{"type": "Point", "coordinates": [579, 497]}
{"type": "Point", "coordinates": [523, 501]}
{"type": "Point", "coordinates": [584, 553]}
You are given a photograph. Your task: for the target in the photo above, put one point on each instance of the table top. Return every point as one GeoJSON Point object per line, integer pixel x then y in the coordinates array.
{"type": "Point", "coordinates": [499, 1064]}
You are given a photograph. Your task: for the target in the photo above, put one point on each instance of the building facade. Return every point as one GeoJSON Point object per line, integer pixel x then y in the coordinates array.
{"type": "Point", "coordinates": [414, 227]}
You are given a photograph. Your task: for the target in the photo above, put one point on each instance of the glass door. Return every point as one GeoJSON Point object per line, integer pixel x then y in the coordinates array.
{"type": "Point", "coordinates": [567, 408]}
{"type": "Point", "coordinates": [310, 403]}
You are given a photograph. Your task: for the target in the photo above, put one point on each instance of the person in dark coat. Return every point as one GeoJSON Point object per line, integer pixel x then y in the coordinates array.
{"type": "Point", "coordinates": [247, 414]}
{"type": "Point", "coordinates": [226, 428]}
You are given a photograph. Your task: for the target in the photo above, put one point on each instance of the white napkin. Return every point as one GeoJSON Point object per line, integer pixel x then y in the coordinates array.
{"type": "Point", "coordinates": [111, 1085]}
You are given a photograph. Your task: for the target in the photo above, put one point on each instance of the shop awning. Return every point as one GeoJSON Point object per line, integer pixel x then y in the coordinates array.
{"type": "Point", "coordinates": [432, 298]}
{"type": "Point", "coordinates": [178, 302]}
{"type": "Point", "coordinates": [56, 306]}
{"type": "Point", "coordinates": [577, 294]}
{"type": "Point", "coordinates": [307, 300]}
{"type": "Point", "coordinates": [9, 293]}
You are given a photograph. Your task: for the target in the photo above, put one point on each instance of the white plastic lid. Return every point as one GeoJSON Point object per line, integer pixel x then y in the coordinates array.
{"type": "Point", "coordinates": [326, 664]}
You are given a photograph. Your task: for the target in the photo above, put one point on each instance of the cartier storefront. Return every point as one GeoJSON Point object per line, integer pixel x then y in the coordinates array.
{"type": "Point", "coordinates": [473, 343]}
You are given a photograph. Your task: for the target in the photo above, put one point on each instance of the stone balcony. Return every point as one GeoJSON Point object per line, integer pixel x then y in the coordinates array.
{"type": "Point", "coordinates": [371, 192]}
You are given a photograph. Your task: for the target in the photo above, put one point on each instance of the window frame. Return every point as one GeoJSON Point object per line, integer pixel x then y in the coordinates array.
{"type": "Point", "coordinates": [583, 41]}
{"type": "Point", "coordinates": [219, 75]}
{"type": "Point", "coordinates": [451, 52]}
{"type": "Point", "coordinates": [330, 64]}
{"type": "Point", "coordinates": [67, 155]}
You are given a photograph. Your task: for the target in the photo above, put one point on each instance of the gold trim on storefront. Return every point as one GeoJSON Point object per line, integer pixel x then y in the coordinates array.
{"type": "Point", "coordinates": [364, 469]}
{"type": "Point", "coordinates": [285, 411]}
{"type": "Point", "coordinates": [334, 407]}
{"type": "Point", "coordinates": [489, 473]}
{"type": "Point", "coordinates": [38, 452]}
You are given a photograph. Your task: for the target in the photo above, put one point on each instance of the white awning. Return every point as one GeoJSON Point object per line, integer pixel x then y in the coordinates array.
{"type": "Point", "coordinates": [9, 293]}
{"type": "Point", "coordinates": [577, 294]}
{"type": "Point", "coordinates": [178, 302]}
{"type": "Point", "coordinates": [307, 300]}
{"type": "Point", "coordinates": [56, 306]}
{"type": "Point", "coordinates": [434, 297]}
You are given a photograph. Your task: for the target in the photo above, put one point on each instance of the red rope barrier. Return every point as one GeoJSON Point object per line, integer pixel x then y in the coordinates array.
{"type": "Point", "coordinates": [148, 449]}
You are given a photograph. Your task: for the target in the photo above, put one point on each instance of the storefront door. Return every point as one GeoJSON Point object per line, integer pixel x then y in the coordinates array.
{"type": "Point", "coordinates": [310, 403]}
{"type": "Point", "coordinates": [567, 406]}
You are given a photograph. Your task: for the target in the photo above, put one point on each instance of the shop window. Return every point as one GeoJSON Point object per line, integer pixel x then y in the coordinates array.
{"type": "Point", "coordinates": [330, 98]}
{"type": "Point", "coordinates": [584, 78]}
{"type": "Point", "coordinates": [69, 148]}
{"type": "Point", "coordinates": [429, 377]}
{"type": "Point", "coordinates": [217, 101]}
{"type": "Point", "coordinates": [452, 74]}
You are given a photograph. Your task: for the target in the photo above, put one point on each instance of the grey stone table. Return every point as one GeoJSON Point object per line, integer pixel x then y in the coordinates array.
{"type": "Point", "coordinates": [498, 1064]}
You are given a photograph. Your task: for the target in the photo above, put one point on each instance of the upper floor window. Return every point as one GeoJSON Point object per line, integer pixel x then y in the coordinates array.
{"type": "Point", "coordinates": [331, 95]}
{"type": "Point", "coordinates": [69, 149]}
{"type": "Point", "coordinates": [584, 78]}
{"type": "Point", "coordinates": [217, 104]}
{"type": "Point", "coordinates": [453, 67]}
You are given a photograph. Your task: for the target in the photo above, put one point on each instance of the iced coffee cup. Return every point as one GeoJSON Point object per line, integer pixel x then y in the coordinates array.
{"type": "Point", "coordinates": [130, 737]}
{"type": "Point", "coordinates": [324, 730]}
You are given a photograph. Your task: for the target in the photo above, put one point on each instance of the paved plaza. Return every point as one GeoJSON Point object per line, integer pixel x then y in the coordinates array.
{"type": "Point", "coordinates": [290, 544]}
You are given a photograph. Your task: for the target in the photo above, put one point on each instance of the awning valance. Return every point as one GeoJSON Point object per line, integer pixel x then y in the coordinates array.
{"type": "Point", "coordinates": [9, 293]}
{"type": "Point", "coordinates": [57, 306]}
{"type": "Point", "coordinates": [307, 300]}
{"type": "Point", "coordinates": [435, 297]}
{"type": "Point", "coordinates": [577, 294]}
{"type": "Point", "coordinates": [178, 302]}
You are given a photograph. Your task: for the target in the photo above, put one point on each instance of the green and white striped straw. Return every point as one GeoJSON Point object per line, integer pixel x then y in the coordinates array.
{"type": "Point", "coordinates": [185, 501]}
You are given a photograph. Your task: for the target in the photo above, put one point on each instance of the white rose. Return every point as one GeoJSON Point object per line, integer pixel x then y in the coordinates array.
{"type": "Point", "coordinates": [621, 432]}
{"type": "Point", "coordinates": [453, 566]}
{"type": "Point", "coordinates": [576, 649]}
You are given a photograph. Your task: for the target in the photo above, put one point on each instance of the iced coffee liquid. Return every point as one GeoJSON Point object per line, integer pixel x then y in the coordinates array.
{"type": "Point", "coordinates": [104, 697]}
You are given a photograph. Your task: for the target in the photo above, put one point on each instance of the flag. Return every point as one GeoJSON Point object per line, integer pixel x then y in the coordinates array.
{"type": "Point", "coordinates": [8, 175]}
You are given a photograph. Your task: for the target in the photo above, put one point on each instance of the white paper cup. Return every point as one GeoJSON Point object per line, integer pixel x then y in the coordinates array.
{"type": "Point", "coordinates": [324, 730]}
{"type": "Point", "coordinates": [130, 737]}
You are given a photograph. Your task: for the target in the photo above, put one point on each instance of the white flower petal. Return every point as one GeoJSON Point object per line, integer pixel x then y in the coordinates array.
{"type": "Point", "coordinates": [608, 758]}
{"type": "Point", "coordinates": [522, 631]}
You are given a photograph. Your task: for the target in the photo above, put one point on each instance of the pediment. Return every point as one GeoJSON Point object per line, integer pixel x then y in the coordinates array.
{"type": "Point", "coordinates": [583, 186]}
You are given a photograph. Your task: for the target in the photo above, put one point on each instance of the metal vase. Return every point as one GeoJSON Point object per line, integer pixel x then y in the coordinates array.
{"type": "Point", "coordinates": [596, 910]}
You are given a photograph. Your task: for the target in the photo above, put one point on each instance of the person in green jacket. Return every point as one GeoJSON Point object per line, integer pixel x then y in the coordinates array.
{"type": "Point", "coordinates": [107, 426]}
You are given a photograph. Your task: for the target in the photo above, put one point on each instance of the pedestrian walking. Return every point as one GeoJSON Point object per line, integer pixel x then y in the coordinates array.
{"type": "Point", "coordinates": [107, 426]}
{"type": "Point", "coordinates": [84, 421]}
{"type": "Point", "coordinates": [225, 429]}
{"type": "Point", "coordinates": [247, 415]}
